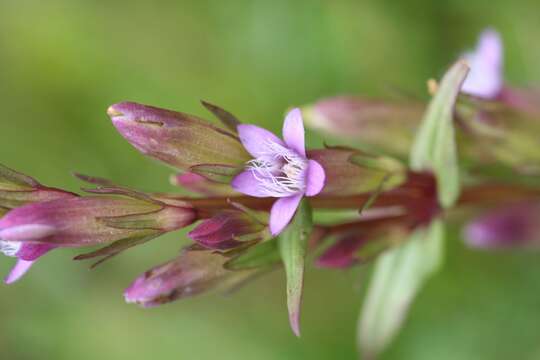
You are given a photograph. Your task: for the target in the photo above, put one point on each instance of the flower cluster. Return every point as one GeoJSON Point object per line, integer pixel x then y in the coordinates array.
{"type": "Point", "coordinates": [259, 202]}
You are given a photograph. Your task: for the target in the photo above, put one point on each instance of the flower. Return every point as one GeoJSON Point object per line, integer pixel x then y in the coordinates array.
{"type": "Point", "coordinates": [485, 78]}
{"type": "Point", "coordinates": [26, 254]}
{"type": "Point", "coordinates": [280, 169]}
{"type": "Point", "coordinates": [17, 189]}
{"type": "Point", "coordinates": [30, 231]}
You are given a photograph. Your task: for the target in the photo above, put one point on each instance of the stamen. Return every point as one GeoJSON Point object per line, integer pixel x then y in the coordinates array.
{"type": "Point", "coordinates": [279, 170]}
{"type": "Point", "coordinates": [10, 248]}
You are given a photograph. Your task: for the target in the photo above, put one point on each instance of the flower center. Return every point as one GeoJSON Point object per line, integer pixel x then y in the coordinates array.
{"type": "Point", "coordinates": [279, 170]}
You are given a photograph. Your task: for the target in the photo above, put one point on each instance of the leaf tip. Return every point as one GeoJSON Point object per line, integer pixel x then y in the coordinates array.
{"type": "Point", "coordinates": [294, 320]}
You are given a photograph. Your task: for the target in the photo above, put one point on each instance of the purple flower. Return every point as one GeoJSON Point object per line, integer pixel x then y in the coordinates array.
{"type": "Point", "coordinates": [26, 254]}
{"type": "Point", "coordinates": [30, 231]}
{"type": "Point", "coordinates": [279, 169]}
{"type": "Point", "coordinates": [485, 79]}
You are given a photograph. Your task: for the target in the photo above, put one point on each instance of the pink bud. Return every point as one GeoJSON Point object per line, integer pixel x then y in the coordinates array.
{"type": "Point", "coordinates": [191, 273]}
{"type": "Point", "coordinates": [177, 139]}
{"type": "Point", "coordinates": [227, 230]}
{"type": "Point", "coordinates": [506, 227]}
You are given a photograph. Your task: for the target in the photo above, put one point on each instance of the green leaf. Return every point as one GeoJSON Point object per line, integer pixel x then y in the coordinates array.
{"type": "Point", "coordinates": [292, 246]}
{"type": "Point", "coordinates": [434, 147]}
{"type": "Point", "coordinates": [14, 180]}
{"type": "Point", "coordinates": [228, 119]}
{"type": "Point", "coordinates": [261, 255]}
{"type": "Point", "coordinates": [398, 276]}
{"type": "Point", "coordinates": [116, 248]}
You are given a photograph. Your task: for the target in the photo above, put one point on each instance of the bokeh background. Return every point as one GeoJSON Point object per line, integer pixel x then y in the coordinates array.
{"type": "Point", "coordinates": [63, 62]}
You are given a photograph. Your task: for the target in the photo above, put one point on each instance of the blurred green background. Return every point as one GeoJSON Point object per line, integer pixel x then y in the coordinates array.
{"type": "Point", "coordinates": [63, 62]}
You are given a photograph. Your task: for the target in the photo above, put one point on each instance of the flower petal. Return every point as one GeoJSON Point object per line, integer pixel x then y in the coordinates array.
{"type": "Point", "coordinates": [18, 271]}
{"type": "Point", "coordinates": [32, 251]}
{"type": "Point", "coordinates": [293, 131]}
{"type": "Point", "coordinates": [282, 212]}
{"type": "Point", "coordinates": [255, 139]}
{"type": "Point", "coordinates": [485, 78]}
{"type": "Point", "coordinates": [27, 232]}
{"type": "Point", "coordinates": [315, 178]}
{"type": "Point", "coordinates": [246, 183]}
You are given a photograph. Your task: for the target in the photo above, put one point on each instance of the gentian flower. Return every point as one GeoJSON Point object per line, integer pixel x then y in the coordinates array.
{"type": "Point", "coordinates": [26, 254]}
{"type": "Point", "coordinates": [280, 169]}
{"type": "Point", "coordinates": [16, 190]}
{"type": "Point", "coordinates": [485, 78]}
{"type": "Point", "coordinates": [30, 231]}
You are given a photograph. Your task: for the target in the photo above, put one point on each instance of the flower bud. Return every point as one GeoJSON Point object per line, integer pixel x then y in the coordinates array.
{"type": "Point", "coordinates": [193, 272]}
{"type": "Point", "coordinates": [366, 242]}
{"type": "Point", "coordinates": [524, 100]}
{"type": "Point", "coordinates": [85, 221]}
{"type": "Point", "coordinates": [496, 133]}
{"type": "Point", "coordinates": [385, 125]}
{"type": "Point", "coordinates": [17, 189]}
{"type": "Point", "coordinates": [349, 171]}
{"type": "Point", "coordinates": [342, 253]}
{"type": "Point", "coordinates": [228, 229]}
{"type": "Point", "coordinates": [177, 139]}
{"type": "Point", "coordinates": [513, 226]}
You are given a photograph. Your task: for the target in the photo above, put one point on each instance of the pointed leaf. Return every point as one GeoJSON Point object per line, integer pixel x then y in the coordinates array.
{"type": "Point", "coordinates": [115, 248]}
{"type": "Point", "coordinates": [434, 147]}
{"type": "Point", "coordinates": [14, 180]}
{"type": "Point", "coordinates": [398, 276]}
{"type": "Point", "coordinates": [228, 119]}
{"type": "Point", "coordinates": [292, 245]}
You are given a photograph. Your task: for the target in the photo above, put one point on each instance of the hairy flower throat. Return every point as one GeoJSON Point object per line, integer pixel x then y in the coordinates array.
{"type": "Point", "coordinates": [280, 171]}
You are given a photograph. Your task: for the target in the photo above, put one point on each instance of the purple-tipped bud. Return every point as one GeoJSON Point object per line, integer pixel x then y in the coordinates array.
{"type": "Point", "coordinates": [17, 189]}
{"type": "Point", "coordinates": [386, 125]}
{"type": "Point", "coordinates": [32, 230]}
{"type": "Point", "coordinates": [85, 221]}
{"type": "Point", "coordinates": [177, 139]}
{"type": "Point", "coordinates": [364, 245]}
{"type": "Point", "coordinates": [509, 227]}
{"type": "Point", "coordinates": [343, 253]}
{"type": "Point", "coordinates": [227, 230]}
{"type": "Point", "coordinates": [191, 273]}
